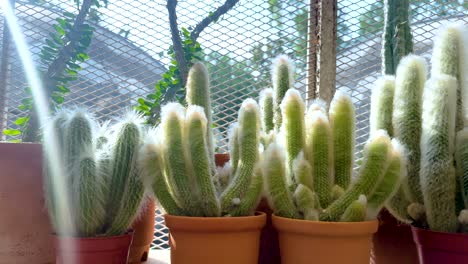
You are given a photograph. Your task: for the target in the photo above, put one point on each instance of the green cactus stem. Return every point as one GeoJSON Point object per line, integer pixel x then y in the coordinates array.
{"type": "Point", "coordinates": [234, 146]}
{"type": "Point", "coordinates": [356, 211]}
{"type": "Point", "coordinates": [267, 108]}
{"type": "Point", "coordinates": [196, 123]}
{"type": "Point", "coordinates": [293, 109]}
{"type": "Point", "coordinates": [274, 172]}
{"type": "Point", "coordinates": [342, 121]}
{"type": "Point", "coordinates": [319, 145]}
{"type": "Point", "coordinates": [438, 181]}
{"type": "Point", "coordinates": [376, 158]}
{"type": "Point", "coordinates": [463, 220]}
{"type": "Point", "coordinates": [179, 176]}
{"type": "Point", "coordinates": [382, 105]}
{"type": "Point", "coordinates": [461, 158]}
{"type": "Point", "coordinates": [152, 164]}
{"type": "Point", "coordinates": [198, 93]}
{"type": "Point", "coordinates": [283, 80]}
{"type": "Point", "coordinates": [249, 139]}
{"type": "Point", "coordinates": [390, 182]}
{"type": "Point", "coordinates": [336, 192]}
{"type": "Point", "coordinates": [252, 197]}
{"type": "Point", "coordinates": [407, 107]}
{"type": "Point", "coordinates": [397, 39]}
{"type": "Point", "coordinates": [398, 206]}
{"type": "Point", "coordinates": [303, 171]}
{"type": "Point", "coordinates": [417, 212]}
{"type": "Point", "coordinates": [307, 202]}
{"type": "Point", "coordinates": [449, 57]}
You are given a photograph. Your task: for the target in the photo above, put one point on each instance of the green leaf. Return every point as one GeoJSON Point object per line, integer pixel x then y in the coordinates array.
{"type": "Point", "coordinates": [11, 132]}
{"type": "Point", "coordinates": [22, 121]}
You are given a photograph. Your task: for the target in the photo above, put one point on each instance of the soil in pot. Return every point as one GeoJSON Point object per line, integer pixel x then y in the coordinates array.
{"type": "Point", "coordinates": [440, 247]}
{"type": "Point", "coordinates": [24, 224]}
{"type": "Point", "coordinates": [309, 242]}
{"type": "Point", "coordinates": [215, 240]}
{"type": "Point", "coordinates": [393, 242]}
{"type": "Point", "coordinates": [102, 250]}
{"type": "Point", "coordinates": [143, 234]}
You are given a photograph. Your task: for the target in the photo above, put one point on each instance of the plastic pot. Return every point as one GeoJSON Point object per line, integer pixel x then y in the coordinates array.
{"type": "Point", "coordinates": [393, 242]}
{"type": "Point", "coordinates": [309, 242]}
{"type": "Point", "coordinates": [87, 250]}
{"type": "Point", "coordinates": [440, 247]}
{"type": "Point", "coordinates": [24, 224]}
{"type": "Point", "coordinates": [143, 234]}
{"type": "Point", "coordinates": [214, 240]}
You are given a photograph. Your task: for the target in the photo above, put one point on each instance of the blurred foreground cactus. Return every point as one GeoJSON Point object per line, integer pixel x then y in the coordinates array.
{"type": "Point", "coordinates": [307, 170]}
{"type": "Point", "coordinates": [428, 117]}
{"type": "Point", "coordinates": [99, 170]}
{"type": "Point", "coordinates": [178, 157]}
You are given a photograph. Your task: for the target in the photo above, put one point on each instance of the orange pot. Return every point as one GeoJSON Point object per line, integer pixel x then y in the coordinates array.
{"type": "Point", "coordinates": [307, 242]}
{"type": "Point", "coordinates": [215, 240]}
{"type": "Point", "coordinates": [24, 224]}
{"type": "Point", "coordinates": [393, 242]}
{"type": "Point", "coordinates": [143, 234]}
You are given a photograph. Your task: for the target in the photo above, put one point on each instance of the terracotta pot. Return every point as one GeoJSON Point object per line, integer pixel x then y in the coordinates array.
{"type": "Point", "coordinates": [143, 234]}
{"type": "Point", "coordinates": [24, 224]}
{"type": "Point", "coordinates": [393, 242]}
{"type": "Point", "coordinates": [307, 242]}
{"type": "Point", "coordinates": [439, 247]}
{"type": "Point", "coordinates": [215, 240]}
{"type": "Point", "coordinates": [87, 250]}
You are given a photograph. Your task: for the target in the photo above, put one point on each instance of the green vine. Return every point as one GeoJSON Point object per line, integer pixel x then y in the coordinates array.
{"type": "Point", "coordinates": [60, 57]}
{"type": "Point", "coordinates": [171, 79]}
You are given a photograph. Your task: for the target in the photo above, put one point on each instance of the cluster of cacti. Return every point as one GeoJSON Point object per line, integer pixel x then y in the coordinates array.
{"type": "Point", "coordinates": [428, 117]}
{"type": "Point", "coordinates": [179, 161]}
{"type": "Point", "coordinates": [396, 39]}
{"type": "Point", "coordinates": [308, 167]}
{"type": "Point", "coordinates": [98, 177]}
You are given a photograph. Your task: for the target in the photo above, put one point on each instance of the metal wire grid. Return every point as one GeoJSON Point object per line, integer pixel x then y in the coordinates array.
{"type": "Point", "coordinates": [128, 55]}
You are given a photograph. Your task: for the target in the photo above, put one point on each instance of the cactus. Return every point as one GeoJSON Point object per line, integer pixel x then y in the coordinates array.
{"type": "Point", "coordinates": [449, 57]}
{"type": "Point", "coordinates": [438, 180]}
{"type": "Point", "coordinates": [191, 187]}
{"type": "Point", "coordinates": [461, 157]}
{"type": "Point", "coordinates": [105, 189]}
{"type": "Point", "coordinates": [315, 194]}
{"type": "Point", "coordinates": [397, 39]}
{"type": "Point", "coordinates": [382, 105]}
{"type": "Point", "coordinates": [409, 86]}
{"type": "Point", "coordinates": [342, 120]}
{"type": "Point", "coordinates": [282, 78]}
{"type": "Point", "coordinates": [268, 110]}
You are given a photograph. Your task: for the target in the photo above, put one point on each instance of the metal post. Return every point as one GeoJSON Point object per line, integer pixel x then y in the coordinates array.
{"type": "Point", "coordinates": [312, 45]}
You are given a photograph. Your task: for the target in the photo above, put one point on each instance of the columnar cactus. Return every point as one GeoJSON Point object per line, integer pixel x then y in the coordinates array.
{"type": "Point", "coordinates": [397, 39]}
{"type": "Point", "coordinates": [315, 193]}
{"type": "Point", "coordinates": [104, 188]}
{"type": "Point", "coordinates": [426, 120]}
{"type": "Point", "coordinates": [178, 167]}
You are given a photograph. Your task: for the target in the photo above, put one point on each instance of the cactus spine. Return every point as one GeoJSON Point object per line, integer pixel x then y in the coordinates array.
{"type": "Point", "coordinates": [97, 209]}
{"type": "Point", "coordinates": [397, 39]}
{"type": "Point", "coordinates": [382, 105]}
{"type": "Point", "coordinates": [192, 188]}
{"type": "Point", "coordinates": [282, 78]}
{"type": "Point", "coordinates": [461, 156]}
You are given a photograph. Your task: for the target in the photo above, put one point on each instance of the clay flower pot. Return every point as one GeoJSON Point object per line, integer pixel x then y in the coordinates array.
{"type": "Point", "coordinates": [215, 240]}
{"type": "Point", "coordinates": [308, 242]}
{"type": "Point", "coordinates": [393, 242]}
{"type": "Point", "coordinates": [24, 224]}
{"type": "Point", "coordinates": [143, 234]}
{"type": "Point", "coordinates": [440, 247]}
{"type": "Point", "coordinates": [87, 250]}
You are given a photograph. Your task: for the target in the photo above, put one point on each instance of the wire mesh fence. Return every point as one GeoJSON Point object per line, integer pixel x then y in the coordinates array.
{"type": "Point", "coordinates": [128, 54]}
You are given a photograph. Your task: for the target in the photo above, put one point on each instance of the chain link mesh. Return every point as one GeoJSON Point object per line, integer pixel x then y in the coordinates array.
{"type": "Point", "coordinates": [128, 53]}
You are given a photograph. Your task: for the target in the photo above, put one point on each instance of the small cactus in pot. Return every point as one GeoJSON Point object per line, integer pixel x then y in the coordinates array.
{"type": "Point", "coordinates": [103, 189]}
{"type": "Point", "coordinates": [428, 118]}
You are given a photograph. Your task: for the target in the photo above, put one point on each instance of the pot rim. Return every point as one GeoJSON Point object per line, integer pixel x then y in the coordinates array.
{"type": "Point", "coordinates": [444, 241]}
{"type": "Point", "coordinates": [323, 228]}
{"type": "Point", "coordinates": [441, 233]}
{"type": "Point", "coordinates": [215, 224]}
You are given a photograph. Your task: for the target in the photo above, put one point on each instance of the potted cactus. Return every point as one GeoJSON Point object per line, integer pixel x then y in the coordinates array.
{"type": "Point", "coordinates": [307, 173]}
{"type": "Point", "coordinates": [428, 117]}
{"type": "Point", "coordinates": [210, 212]}
{"type": "Point", "coordinates": [93, 186]}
